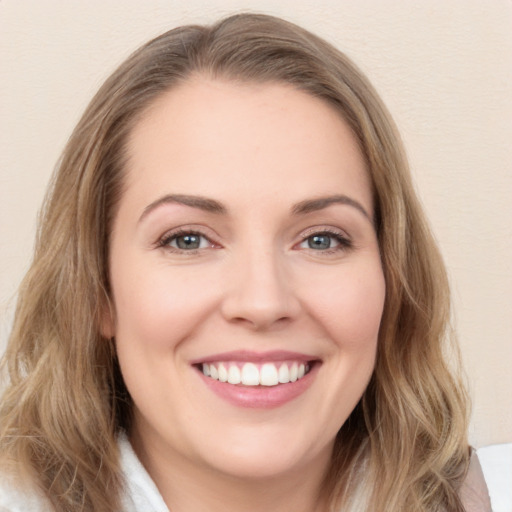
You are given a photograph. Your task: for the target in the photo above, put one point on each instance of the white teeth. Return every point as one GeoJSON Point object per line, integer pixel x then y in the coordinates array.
{"type": "Point", "coordinates": [294, 372]}
{"type": "Point", "coordinates": [284, 374]}
{"type": "Point", "coordinates": [268, 374]}
{"type": "Point", "coordinates": [250, 375]}
{"type": "Point", "coordinates": [223, 373]}
{"type": "Point", "coordinates": [234, 375]}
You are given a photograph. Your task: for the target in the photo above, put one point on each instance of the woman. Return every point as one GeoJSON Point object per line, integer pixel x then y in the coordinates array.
{"type": "Point", "coordinates": [235, 301]}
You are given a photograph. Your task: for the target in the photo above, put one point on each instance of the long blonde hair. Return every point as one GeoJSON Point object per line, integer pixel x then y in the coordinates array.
{"type": "Point", "coordinates": [403, 448]}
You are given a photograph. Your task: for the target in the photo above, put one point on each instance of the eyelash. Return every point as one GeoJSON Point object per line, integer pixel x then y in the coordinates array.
{"type": "Point", "coordinates": [344, 243]}
{"type": "Point", "coordinates": [168, 238]}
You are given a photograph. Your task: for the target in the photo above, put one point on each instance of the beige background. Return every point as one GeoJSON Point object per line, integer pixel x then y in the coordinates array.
{"type": "Point", "coordinates": [444, 67]}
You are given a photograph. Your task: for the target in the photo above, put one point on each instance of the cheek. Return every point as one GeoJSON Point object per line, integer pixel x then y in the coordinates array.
{"type": "Point", "coordinates": [350, 308]}
{"type": "Point", "coordinates": [160, 307]}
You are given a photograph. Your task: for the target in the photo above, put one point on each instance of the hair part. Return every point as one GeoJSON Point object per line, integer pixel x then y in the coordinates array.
{"type": "Point", "coordinates": [66, 400]}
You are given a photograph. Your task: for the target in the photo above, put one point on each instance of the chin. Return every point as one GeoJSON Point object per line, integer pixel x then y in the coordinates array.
{"type": "Point", "coordinates": [261, 467]}
{"type": "Point", "coordinates": [257, 458]}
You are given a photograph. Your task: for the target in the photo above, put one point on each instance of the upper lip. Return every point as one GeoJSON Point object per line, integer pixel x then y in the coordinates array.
{"type": "Point", "coordinates": [256, 357]}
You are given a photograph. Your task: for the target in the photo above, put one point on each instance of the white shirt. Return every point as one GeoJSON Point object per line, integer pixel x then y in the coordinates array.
{"type": "Point", "coordinates": [142, 495]}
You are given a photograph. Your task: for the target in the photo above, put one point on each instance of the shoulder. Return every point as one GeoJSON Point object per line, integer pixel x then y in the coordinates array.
{"type": "Point", "coordinates": [496, 461]}
{"type": "Point", "coordinates": [473, 493]}
{"type": "Point", "coordinates": [140, 492]}
{"type": "Point", "coordinates": [16, 496]}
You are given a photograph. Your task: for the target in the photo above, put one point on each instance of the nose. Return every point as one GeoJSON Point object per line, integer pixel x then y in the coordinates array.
{"type": "Point", "coordinates": [260, 292]}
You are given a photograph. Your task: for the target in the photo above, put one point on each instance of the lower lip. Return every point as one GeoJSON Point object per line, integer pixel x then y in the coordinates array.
{"type": "Point", "coordinates": [261, 397]}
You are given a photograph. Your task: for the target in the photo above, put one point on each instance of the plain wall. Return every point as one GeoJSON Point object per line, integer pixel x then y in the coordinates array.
{"type": "Point", "coordinates": [444, 68]}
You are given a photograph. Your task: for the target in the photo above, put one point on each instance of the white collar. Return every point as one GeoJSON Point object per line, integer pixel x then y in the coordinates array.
{"type": "Point", "coordinates": [141, 493]}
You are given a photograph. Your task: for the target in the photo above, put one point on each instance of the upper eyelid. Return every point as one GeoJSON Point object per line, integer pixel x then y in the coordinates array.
{"type": "Point", "coordinates": [324, 229]}
{"type": "Point", "coordinates": [196, 229]}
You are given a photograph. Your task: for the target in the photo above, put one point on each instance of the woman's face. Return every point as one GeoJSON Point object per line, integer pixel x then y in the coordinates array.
{"type": "Point", "coordinates": [246, 279]}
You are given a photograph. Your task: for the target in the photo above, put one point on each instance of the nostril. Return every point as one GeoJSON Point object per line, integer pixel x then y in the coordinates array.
{"type": "Point", "coordinates": [261, 322]}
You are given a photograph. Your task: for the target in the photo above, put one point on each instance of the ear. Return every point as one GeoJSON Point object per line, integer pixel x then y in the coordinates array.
{"type": "Point", "coordinates": [107, 320]}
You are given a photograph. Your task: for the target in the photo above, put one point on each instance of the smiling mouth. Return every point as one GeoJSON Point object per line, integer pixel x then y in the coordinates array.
{"type": "Point", "coordinates": [251, 374]}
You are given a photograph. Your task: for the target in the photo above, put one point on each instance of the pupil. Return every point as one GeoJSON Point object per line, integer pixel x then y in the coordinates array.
{"type": "Point", "coordinates": [188, 242]}
{"type": "Point", "coordinates": [319, 242]}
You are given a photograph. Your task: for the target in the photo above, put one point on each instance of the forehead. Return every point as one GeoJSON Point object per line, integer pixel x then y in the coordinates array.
{"type": "Point", "coordinates": [211, 136]}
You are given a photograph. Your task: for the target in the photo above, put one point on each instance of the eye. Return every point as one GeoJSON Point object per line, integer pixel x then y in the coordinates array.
{"type": "Point", "coordinates": [320, 242]}
{"type": "Point", "coordinates": [325, 241]}
{"type": "Point", "coordinates": [189, 241]}
{"type": "Point", "coordinates": [185, 241]}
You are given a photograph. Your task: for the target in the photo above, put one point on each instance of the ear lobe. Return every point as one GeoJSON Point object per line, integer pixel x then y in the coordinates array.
{"type": "Point", "coordinates": [107, 321]}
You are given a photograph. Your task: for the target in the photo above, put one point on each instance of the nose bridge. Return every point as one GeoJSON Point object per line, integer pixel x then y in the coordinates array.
{"type": "Point", "coordinates": [261, 292]}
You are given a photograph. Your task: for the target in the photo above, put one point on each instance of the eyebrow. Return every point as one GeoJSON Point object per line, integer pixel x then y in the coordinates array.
{"type": "Point", "coordinates": [313, 205]}
{"type": "Point", "coordinates": [213, 206]}
{"type": "Point", "coordinates": [202, 203]}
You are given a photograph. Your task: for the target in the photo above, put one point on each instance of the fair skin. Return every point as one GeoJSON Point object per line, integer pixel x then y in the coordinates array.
{"type": "Point", "coordinates": [244, 240]}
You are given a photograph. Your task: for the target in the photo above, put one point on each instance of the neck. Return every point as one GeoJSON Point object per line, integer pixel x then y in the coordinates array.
{"type": "Point", "coordinates": [187, 487]}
